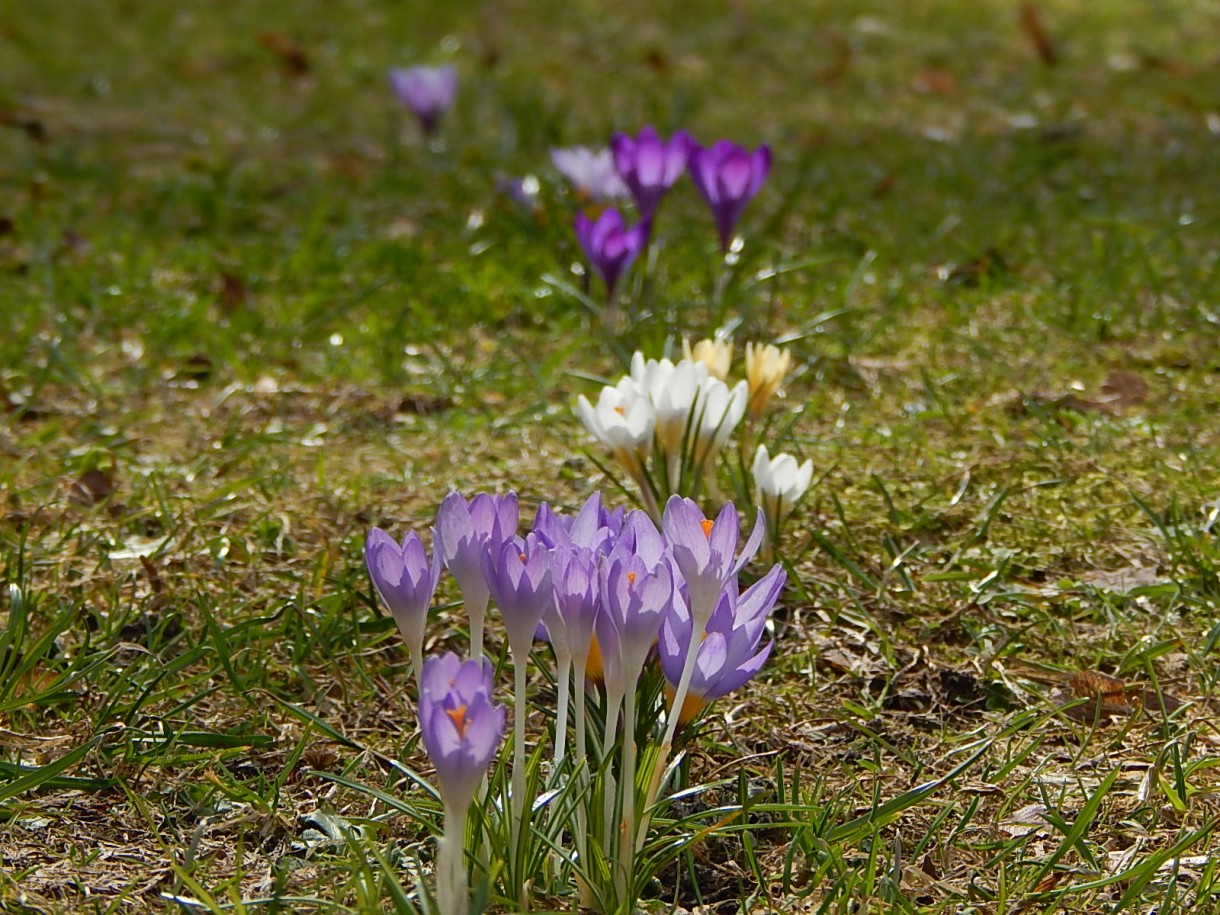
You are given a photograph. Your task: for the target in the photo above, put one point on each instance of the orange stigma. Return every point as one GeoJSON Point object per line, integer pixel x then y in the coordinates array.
{"type": "Point", "coordinates": [707, 524]}
{"type": "Point", "coordinates": [631, 578]}
{"type": "Point", "coordinates": [620, 411]}
{"type": "Point", "coordinates": [459, 719]}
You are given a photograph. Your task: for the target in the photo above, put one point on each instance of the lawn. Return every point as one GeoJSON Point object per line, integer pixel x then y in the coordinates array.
{"type": "Point", "coordinates": [249, 313]}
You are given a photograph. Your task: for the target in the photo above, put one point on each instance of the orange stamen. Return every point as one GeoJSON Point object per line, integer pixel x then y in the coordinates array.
{"type": "Point", "coordinates": [459, 719]}
{"type": "Point", "coordinates": [707, 525]}
{"type": "Point", "coordinates": [620, 411]}
{"type": "Point", "coordinates": [631, 578]}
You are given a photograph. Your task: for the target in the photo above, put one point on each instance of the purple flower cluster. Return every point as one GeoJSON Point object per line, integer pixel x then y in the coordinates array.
{"type": "Point", "coordinates": [604, 586]}
{"type": "Point", "coordinates": [726, 175]}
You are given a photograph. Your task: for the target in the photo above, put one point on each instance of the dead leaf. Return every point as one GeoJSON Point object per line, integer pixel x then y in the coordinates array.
{"type": "Point", "coordinates": [1123, 389]}
{"type": "Point", "coordinates": [234, 293]}
{"type": "Point", "coordinates": [287, 50]}
{"type": "Point", "coordinates": [938, 82]}
{"type": "Point", "coordinates": [92, 487]}
{"type": "Point", "coordinates": [1035, 31]}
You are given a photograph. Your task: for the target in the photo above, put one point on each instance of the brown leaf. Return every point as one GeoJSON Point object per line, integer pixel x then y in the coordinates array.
{"type": "Point", "coordinates": [92, 487]}
{"type": "Point", "coordinates": [938, 82]}
{"type": "Point", "coordinates": [1035, 31]}
{"type": "Point", "coordinates": [289, 52]}
{"type": "Point", "coordinates": [1111, 696]}
{"type": "Point", "coordinates": [1124, 389]}
{"type": "Point", "coordinates": [234, 293]}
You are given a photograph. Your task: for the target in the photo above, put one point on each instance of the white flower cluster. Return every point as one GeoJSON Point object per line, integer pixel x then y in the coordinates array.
{"type": "Point", "coordinates": [665, 422]}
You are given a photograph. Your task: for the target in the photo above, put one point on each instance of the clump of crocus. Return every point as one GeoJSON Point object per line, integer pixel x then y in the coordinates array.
{"type": "Point", "coordinates": [428, 92]}
{"type": "Point", "coordinates": [461, 730]}
{"type": "Point", "coordinates": [728, 176]}
{"type": "Point", "coordinates": [779, 483]}
{"type": "Point", "coordinates": [715, 352]}
{"type": "Point", "coordinates": [406, 581]}
{"type": "Point", "coordinates": [610, 245]}
{"type": "Point", "coordinates": [589, 172]}
{"type": "Point", "coordinates": [766, 367]}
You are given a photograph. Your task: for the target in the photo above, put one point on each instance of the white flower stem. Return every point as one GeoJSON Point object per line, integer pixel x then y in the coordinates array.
{"type": "Point", "coordinates": [477, 616]}
{"type": "Point", "coordinates": [613, 702]}
{"type": "Point", "coordinates": [561, 714]}
{"type": "Point", "coordinates": [452, 891]}
{"type": "Point", "coordinates": [626, 846]}
{"type": "Point", "coordinates": [519, 713]}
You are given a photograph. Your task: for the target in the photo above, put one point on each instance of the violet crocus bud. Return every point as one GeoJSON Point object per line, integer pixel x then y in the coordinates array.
{"type": "Point", "coordinates": [406, 581]}
{"type": "Point", "coordinates": [460, 725]}
{"type": "Point", "coordinates": [427, 91]}
{"type": "Point", "coordinates": [728, 653]}
{"type": "Point", "coordinates": [728, 176]}
{"type": "Point", "coordinates": [649, 166]}
{"type": "Point", "coordinates": [610, 245]}
{"type": "Point", "coordinates": [589, 172]}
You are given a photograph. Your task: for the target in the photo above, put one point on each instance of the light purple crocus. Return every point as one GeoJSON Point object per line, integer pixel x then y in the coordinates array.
{"type": "Point", "coordinates": [464, 532]}
{"type": "Point", "coordinates": [728, 653]}
{"type": "Point", "coordinates": [589, 172]}
{"type": "Point", "coordinates": [518, 574]}
{"type": "Point", "coordinates": [636, 596]}
{"type": "Point", "coordinates": [406, 581]}
{"type": "Point", "coordinates": [649, 166]}
{"type": "Point", "coordinates": [728, 176]}
{"type": "Point", "coordinates": [460, 725]}
{"type": "Point", "coordinates": [428, 91]}
{"type": "Point", "coordinates": [610, 245]}
{"type": "Point", "coordinates": [706, 551]}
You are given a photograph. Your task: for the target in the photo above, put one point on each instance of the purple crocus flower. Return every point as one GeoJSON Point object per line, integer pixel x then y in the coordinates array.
{"type": "Point", "coordinates": [593, 526]}
{"type": "Point", "coordinates": [636, 596]}
{"type": "Point", "coordinates": [464, 532]}
{"type": "Point", "coordinates": [428, 91]}
{"type": "Point", "coordinates": [728, 654]}
{"type": "Point", "coordinates": [518, 573]}
{"type": "Point", "coordinates": [590, 172]}
{"type": "Point", "coordinates": [461, 728]}
{"type": "Point", "coordinates": [706, 551]}
{"type": "Point", "coordinates": [649, 166]}
{"type": "Point", "coordinates": [609, 244]}
{"type": "Point", "coordinates": [728, 176]}
{"type": "Point", "coordinates": [406, 581]}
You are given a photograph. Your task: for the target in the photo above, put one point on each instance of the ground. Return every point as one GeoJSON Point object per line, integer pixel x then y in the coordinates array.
{"type": "Point", "coordinates": [251, 314]}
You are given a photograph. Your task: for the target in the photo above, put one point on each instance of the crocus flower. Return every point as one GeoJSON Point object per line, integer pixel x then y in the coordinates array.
{"type": "Point", "coordinates": [406, 581]}
{"type": "Point", "coordinates": [728, 653]}
{"type": "Point", "coordinates": [518, 574]}
{"type": "Point", "coordinates": [705, 551]}
{"type": "Point", "coordinates": [716, 353]}
{"type": "Point", "coordinates": [464, 532]}
{"type": "Point", "coordinates": [672, 389]}
{"type": "Point", "coordinates": [636, 595]}
{"type": "Point", "coordinates": [728, 176]}
{"type": "Point", "coordinates": [779, 483]}
{"type": "Point", "coordinates": [610, 245]}
{"type": "Point", "coordinates": [766, 367]}
{"type": "Point", "coordinates": [650, 166]}
{"type": "Point", "coordinates": [590, 172]}
{"type": "Point", "coordinates": [428, 91]}
{"type": "Point", "coordinates": [461, 728]}
{"type": "Point", "coordinates": [720, 410]}
{"type": "Point", "coordinates": [624, 421]}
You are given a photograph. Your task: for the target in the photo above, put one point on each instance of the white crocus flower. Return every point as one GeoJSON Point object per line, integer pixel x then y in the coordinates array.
{"type": "Point", "coordinates": [720, 410]}
{"type": "Point", "coordinates": [591, 172]}
{"type": "Point", "coordinates": [624, 421]}
{"type": "Point", "coordinates": [780, 483]}
{"type": "Point", "coordinates": [673, 390]}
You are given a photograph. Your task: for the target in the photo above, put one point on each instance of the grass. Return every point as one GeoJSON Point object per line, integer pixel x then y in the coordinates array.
{"type": "Point", "coordinates": [248, 316]}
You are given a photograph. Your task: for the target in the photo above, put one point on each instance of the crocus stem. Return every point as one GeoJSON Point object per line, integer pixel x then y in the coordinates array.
{"type": "Point", "coordinates": [626, 837]}
{"type": "Point", "coordinates": [582, 767]}
{"type": "Point", "coordinates": [561, 714]}
{"type": "Point", "coordinates": [452, 892]}
{"type": "Point", "coordinates": [518, 749]}
{"type": "Point", "coordinates": [613, 702]}
{"type": "Point", "coordinates": [477, 615]}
